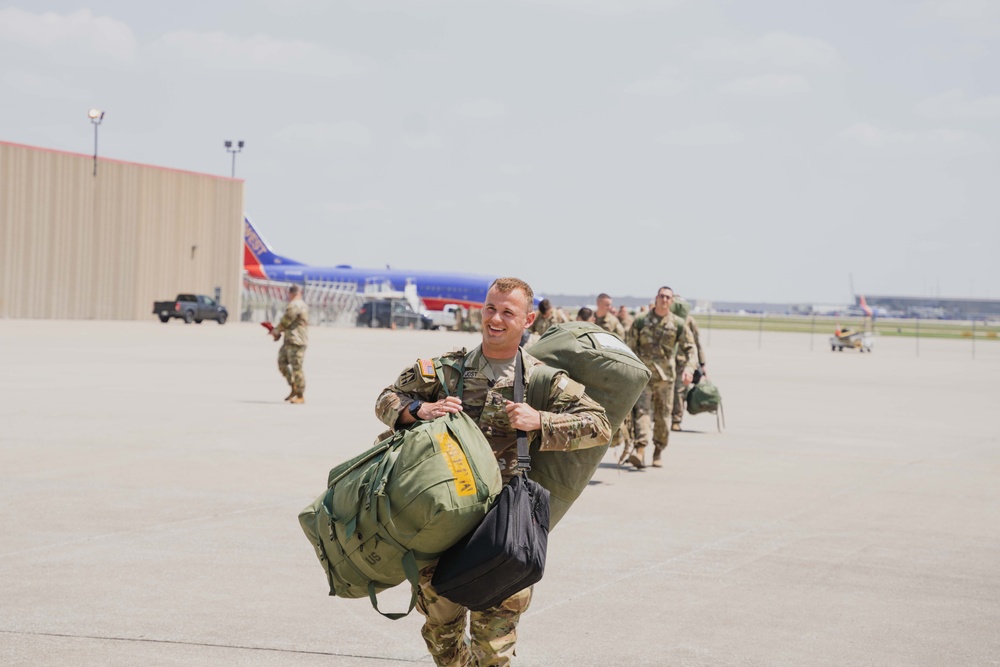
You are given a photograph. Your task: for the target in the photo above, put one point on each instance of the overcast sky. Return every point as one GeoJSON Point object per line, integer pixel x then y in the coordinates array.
{"type": "Point", "coordinates": [758, 150]}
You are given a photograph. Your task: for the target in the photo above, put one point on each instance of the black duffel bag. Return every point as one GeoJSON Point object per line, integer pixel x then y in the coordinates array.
{"type": "Point", "coordinates": [506, 552]}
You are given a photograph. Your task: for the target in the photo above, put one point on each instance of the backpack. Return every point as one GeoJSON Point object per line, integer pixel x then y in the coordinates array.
{"type": "Point", "coordinates": [612, 375]}
{"type": "Point", "coordinates": [680, 308]}
{"type": "Point", "coordinates": [395, 508]}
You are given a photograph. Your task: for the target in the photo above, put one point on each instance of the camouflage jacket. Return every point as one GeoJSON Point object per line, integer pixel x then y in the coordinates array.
{"type": "Point", "coordinates": [542, 324]}
{"type": "Point", "coordinates": [295, 323]}
{"type": "Point", "coordinates": [654, 339]}
{"type": "Point", "coordinates": [611, 324]}
{"type": "Point", "coordinates": [682, 358]}
{"type": "Point", "coordinates": [571, 419]}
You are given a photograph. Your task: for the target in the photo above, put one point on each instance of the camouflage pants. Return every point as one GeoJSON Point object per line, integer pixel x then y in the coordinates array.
{"type": "Point", "coordinates": [655, 404]}
{"type": "Point", "coordinates": [493, 631]}
{"type": "Point", "coordinates": [290, 358]}
{"type": "Point", "coordinates": [680, 393]}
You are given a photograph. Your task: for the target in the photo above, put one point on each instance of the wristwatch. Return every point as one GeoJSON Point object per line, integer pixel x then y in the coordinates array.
{"type": "Point", "coordinates": [414, 409]}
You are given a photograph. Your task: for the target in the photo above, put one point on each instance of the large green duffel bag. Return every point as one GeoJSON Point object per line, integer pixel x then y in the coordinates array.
{"type": "Point", "coordinates": [680, 308]}
{"type": "Point", "coordinates": [613, 376]}
{"type": "Point", "coordinates": [395, 508]}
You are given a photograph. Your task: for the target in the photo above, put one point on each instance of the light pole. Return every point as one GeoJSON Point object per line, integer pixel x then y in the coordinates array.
{"type": "Point", "coordinates": [96, 116]}
{"type": "Point", "coordinates": [234, 151]}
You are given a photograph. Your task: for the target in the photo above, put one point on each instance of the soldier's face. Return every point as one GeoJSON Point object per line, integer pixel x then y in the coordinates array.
{"type": "Point", "coordinates": [505, 317]}
{"type": "Point", "coordinates": [663, 300]}
{"type": "Point", "coordinates": [603, 306]}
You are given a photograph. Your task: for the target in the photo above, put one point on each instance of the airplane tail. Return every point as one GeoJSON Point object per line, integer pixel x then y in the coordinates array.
{"type": "Point", "coordinates": [864, 306]}
{"type": "Point", "coordinates": [257, 254]}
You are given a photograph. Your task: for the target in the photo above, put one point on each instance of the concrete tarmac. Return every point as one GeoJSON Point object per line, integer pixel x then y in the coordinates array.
{"type": "Point", "coordinates": [151, 476]}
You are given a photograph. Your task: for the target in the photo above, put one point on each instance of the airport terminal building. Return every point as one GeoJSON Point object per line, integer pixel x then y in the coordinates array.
{"type": "Point", "coordinates": [102, 239]}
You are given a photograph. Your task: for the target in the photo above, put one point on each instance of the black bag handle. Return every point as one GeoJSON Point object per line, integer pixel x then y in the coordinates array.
{"type": "Point", "coordinates": [523, 455]}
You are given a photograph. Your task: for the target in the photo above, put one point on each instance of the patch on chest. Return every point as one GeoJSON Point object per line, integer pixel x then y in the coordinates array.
{"type": "Point", "coordinates": [458, 464]}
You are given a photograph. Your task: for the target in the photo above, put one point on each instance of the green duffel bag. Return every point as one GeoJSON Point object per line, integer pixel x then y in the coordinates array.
{"type": "Point", "coordinates": [680, 308]}
{"type": "Point", "coordinates": [703, 397]}
{"type": "Point", "coordinates": [613, 376]}
{"type": "Point", "coordinates": [395, 508]}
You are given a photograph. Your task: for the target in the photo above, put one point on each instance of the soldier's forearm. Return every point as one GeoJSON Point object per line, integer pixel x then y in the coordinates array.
{"type": "Point", "coordinates": [563, 432]}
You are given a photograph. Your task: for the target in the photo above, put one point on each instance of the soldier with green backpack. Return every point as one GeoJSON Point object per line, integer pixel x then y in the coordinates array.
{"type": "Point", "coordinates": [480, 384]}
{"type": "Point", "coordinates": [656, 338]}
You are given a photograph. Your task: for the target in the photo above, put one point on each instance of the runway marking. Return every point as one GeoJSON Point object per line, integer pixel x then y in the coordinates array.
{"type": "Point", "coordinates": [210, 645]}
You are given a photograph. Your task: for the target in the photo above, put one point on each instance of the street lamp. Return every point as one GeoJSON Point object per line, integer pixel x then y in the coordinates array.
{"type": "Point", "coordinates": [96, 116]}
{"type": "Point", "coordinates": [234, 151]}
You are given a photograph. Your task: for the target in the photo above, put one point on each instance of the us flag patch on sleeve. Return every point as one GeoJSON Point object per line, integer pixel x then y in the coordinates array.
{"type": "Point", "coordinates": [427, 368]}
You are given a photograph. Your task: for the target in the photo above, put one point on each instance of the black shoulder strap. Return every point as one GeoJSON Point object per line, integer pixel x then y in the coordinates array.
{"type": "Point", "coordinates": [523, 455]}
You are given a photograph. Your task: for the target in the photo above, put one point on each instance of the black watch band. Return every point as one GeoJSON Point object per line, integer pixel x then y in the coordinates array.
{"type": "Point", "coordinates": [414, 409]}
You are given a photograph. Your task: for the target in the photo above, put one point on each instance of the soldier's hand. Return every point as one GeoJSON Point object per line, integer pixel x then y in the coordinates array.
{"type": "Point", "coordinates": [523, 417]}
{"type": "Point", "coordinates": [276, 335]}
{"type": "Point", "coordinates": [687, 377]}
{"type": "Point", "coordinates": [450, 404]}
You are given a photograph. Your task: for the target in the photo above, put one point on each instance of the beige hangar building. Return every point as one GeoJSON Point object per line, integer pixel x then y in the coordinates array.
{"type": "Point", "coordinates": [80, 245]}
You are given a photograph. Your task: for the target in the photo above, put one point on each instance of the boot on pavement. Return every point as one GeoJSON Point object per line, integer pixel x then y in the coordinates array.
{"type": "Point", "coordinates": [638, 457]}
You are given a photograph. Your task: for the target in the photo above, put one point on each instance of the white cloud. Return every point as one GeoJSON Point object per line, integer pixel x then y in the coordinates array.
{"type": "Point", "coordinates": [481, 108]}
{"type": "Point", "coordinates": [80, 33]}
{"type": "Point", "coordinates": [955, 105]}
{"type": "Point", "coordinates": [706, 134]}
{"type": "Point", "coordinates": [776, 49]}
{"type": "Point", "coordinates": [349, 132]}
{"type": "Point", "coordinates": [944, 140]}
{"type": "Point", "coordinates": [502, 198]}
{"type": "Point", "coordinates": [770, 85]}
{"type": "Point", "coordinates": [659, 87]}
{"type": "Point", "coordinates": [45, 86]}
{"type": "Point", "coordinates": [426, 140]}
{"type": "Point", "coordinates": [359, 207]}
{"type": "Point", "coordinates": [218, 50]}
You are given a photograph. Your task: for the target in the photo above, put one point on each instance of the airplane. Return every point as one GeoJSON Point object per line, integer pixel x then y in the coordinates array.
{"type": "Point", "coordinates": [436, 289]}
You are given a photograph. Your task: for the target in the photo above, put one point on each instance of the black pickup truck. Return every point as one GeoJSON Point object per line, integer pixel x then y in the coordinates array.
{"type": "Point", "coordinates": [190, 308]}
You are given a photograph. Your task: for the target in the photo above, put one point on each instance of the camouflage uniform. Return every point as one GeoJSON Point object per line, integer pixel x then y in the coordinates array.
{"type": "Point", "coordinates": [295, 327]}
{"type": "Point", "coordinates": [611, 324]}
{"type": "Point", "coordinates": [571, 420]}
{"type": "Point", "coordinates": [542, 324]}
{"type": "Point", "coordinates": [680, 391]}
{"type": "Point", "coordinates": [653, 338]}
{"type": "Point", "coordinates": [626, 321]}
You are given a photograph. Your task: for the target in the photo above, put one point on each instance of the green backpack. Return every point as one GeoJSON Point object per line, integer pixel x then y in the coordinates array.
{"type": "Point", "coordinates": [613, 376]}
{"type": "Point", "coordinates": [680, 308]}
{"type": "Point", "coordinates": [395, 508]}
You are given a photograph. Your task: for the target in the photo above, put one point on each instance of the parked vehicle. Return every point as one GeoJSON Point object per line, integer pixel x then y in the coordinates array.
{"type": "Point", "coordinates": [191, 308]}
{"type": "Point", "coordinates": [444, 318]}
{"type": "Point", "coordinates": [388, 313]}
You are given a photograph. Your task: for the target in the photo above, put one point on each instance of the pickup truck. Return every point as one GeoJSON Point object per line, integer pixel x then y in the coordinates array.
{"type": "Point", "coordinates": [190, 308]}
{"type": "Point", "coordinates": [444, 318]}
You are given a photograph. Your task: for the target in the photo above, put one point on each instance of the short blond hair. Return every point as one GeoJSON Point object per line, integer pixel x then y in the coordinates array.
{"type": "Point", "coordinates": [506, 285]}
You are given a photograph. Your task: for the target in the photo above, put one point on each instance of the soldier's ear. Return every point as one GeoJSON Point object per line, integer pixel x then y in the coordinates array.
{"type": "Point", "coordinates": [531, 318]}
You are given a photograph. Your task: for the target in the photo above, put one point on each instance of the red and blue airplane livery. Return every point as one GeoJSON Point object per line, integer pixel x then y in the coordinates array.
{"type": "Point", "coordinates": [436, 289]}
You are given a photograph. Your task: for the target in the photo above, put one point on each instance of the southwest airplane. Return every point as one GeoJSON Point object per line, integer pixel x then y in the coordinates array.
{"type": "Point", "coordinates": [436, 289]}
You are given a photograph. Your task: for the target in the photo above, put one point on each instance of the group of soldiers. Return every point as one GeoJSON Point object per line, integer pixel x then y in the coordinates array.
{"type": "Point", "coordinates": [665, 337]}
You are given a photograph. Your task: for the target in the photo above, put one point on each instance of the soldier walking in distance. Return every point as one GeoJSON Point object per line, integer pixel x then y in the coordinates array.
{"type": "Point", "coordinates": [605, 318]}
{"type": "Point", "coordinates": [680, 389]}
{"type": "Point", "coordinates": [572, 420]}
{"type": "Point", "coordinates": [545, 318]}
{"type": "Point", "coordinates": [654, 337]}
{"type": "Point", "coordinates": [295, 326]}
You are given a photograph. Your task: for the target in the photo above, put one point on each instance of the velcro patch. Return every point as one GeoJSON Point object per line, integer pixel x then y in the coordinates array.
{"type": "Point", "coordinates": [427, 368]}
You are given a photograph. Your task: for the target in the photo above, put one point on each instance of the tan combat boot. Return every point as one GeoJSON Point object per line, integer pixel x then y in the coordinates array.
{"type": "Point", "coordinates": [292, 394]}
{"type": "Point", "coordinates": [298, 398]}
{"type": "Point", "coordinates": [657, 454]}
{"type": "Point", "coordinates": [638, 457]}
{"type": "Point", "coordinates": [676, 426]}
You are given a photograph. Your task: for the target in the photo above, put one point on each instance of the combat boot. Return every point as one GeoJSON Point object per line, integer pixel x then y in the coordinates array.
{"type": "Point", "coordinates": [293, 393]}
{"type": "Point", "coordinates": [657, 455]}
{"type": "Point", "coordinates": [676, 426]}
{"type": "Point", "coordinates": [298, 398]}
{"type": "Point", "coordinates": [638, 457]}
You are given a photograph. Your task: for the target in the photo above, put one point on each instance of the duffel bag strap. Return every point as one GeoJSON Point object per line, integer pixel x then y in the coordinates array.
{"type": "Point", "coordinates": [523, 455]}
{"type": "Point", "coordinates": [412, 575]}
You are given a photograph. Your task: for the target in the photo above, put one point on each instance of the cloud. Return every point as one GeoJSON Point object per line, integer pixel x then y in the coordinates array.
{"type": "Point", "coordinates": [955, 105]}
{"type": "Point", "coordinates": [706, 134]}
{"type": "Point", "coordinates": [45, 87]}
{"type": "Point", "coordinates": [946, 140]}
{"type": "Point", "coordinates": [660, 87]}
{"type": "Point", "coordinates": [776, 49]}
{"type": "Point", "coordinates": [481, 108]}
{"type": "Point", "coordinates": [419, 141]}
{"type": "Point", "coordinates": [218, 50]}
{"type": "Point", "coordinates": [501, 198]}
{"type": "Point", "coordinates": [80, 33]}
{"type": "Point", "coordinates": [770, 85]}
{"type": "Point", "coordinates": [364, 206]}
{"type": "Point", "coordinates": [348, 132]}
